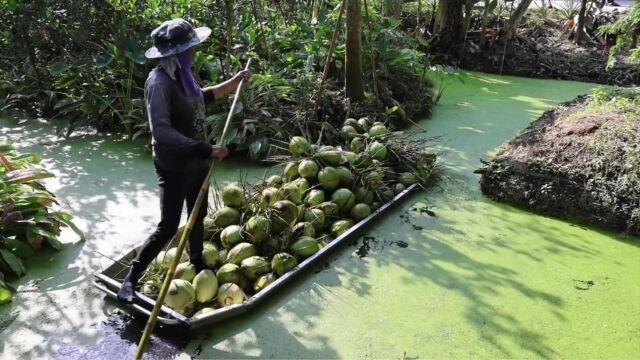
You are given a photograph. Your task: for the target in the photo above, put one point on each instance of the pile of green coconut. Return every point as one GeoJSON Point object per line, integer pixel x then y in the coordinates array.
{"type": "Point", "coordinates": [262, 231]}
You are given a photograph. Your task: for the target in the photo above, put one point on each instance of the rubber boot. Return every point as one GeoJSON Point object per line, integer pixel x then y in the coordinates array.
{"type": "Point", "coordinates": [130, 282]}
{"type": "Point", "coordinates": [198, 263]}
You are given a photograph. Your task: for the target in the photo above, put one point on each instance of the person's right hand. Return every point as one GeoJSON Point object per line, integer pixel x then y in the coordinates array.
{"type": "Point", "coordinates": [219, 152]}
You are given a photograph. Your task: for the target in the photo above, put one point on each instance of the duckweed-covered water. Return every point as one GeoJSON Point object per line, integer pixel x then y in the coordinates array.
{"type": "Point", "coordinates": [447, 274]}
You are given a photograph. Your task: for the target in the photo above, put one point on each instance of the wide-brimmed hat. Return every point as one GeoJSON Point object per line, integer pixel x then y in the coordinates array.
{"type": "Point", "coordinates": [175, 36]}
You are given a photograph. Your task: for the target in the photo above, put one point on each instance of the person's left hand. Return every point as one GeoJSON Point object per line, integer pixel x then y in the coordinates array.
{"type": "Point", "coordinates": [243, 75]}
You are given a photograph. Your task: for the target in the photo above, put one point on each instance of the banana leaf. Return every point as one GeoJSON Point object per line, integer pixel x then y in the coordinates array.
{"type": "Point", "coordinates": [18, 248]}
{"type": "Point", "coordinates": [5, 294]}
{"type": "Point", "coordinates": [26, 175]}
{"type": "Point", "coordinates": [51, 238]}
{"type": "Point", "coordinates": [66, 219]}
{"type": "Point", "coordinates": [13, 262]}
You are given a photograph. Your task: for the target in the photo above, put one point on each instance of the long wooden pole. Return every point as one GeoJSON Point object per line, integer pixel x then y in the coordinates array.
{"type": "Point", "coordinates": [151, 323]}
{"type": "Point", "coordinates": [329, 55]}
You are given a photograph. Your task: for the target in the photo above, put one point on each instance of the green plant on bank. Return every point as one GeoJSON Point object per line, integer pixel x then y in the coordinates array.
{"type": "Point", "coordinates": [27, 216]}
{"type": "Point", "coordinates": [621, 136]}
{"type": "Point", "coordinates": [569, 8]}
{"type": "Point", "coordinates": [444, 77]}
{"type": "Point", "coordinates": [626, 29]}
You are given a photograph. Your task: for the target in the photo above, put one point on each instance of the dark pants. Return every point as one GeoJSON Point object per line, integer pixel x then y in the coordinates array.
{"type": "Point", "coordinates": [175, 188]}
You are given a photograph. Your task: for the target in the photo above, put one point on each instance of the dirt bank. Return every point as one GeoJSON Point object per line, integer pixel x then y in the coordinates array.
{"type": "Point", "coordinates": [579, 161]}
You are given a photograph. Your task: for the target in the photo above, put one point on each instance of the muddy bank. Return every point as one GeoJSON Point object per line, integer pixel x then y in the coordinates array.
{"type": "Point", "coordinates": [543, 48]}
{"type": "Point", "coordinates": [578, 161]}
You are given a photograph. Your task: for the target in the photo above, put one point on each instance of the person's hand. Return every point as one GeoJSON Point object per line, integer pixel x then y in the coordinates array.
{"type": "Point", "coordinates": [218, 152]}
{"type": "Point", "coordinates": [243, 75]}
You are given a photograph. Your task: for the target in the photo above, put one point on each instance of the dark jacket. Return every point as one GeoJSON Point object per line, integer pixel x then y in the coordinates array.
{"type": "Point", "coordinates": [176, 144]}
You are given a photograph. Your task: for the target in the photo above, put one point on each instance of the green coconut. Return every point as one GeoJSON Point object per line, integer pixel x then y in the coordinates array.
{"type": "Point", "coordinates": [324, 240]}
{"type": "Point", "coordinates": [378, 130]}
{"type": "Point", "coordinates": [387, 194]}
{"type": "Point", "coordinates": [360, 211]}
{"type": "Point", "coordinates": [330, 157]}
{"type": "Point", "coordinates": [305, 246]}
{"type": "Point", "coordinates": [353, 123]}
{"type": "Point", "coordinates": [284, 214]}
{"type": "Point", "coordinates": [315, 197]}
{"type": "Point", "coordinates": [329, 178]}
{"type": "Point", "coordinates": [299, 146]}
{"type": "Point", "coordinates": [210, 229]}
{"type": "Point", "coordinates": [205, 285]}
{"type": "Point", "coordinates": [302, 184]}
{"type": "Point", "coordinates": [340, 226]}
{"type": "Point", "coordinates": [346, 178]}
{"type": "Point", "coordinates": [304, 229]}
{"type": "Point", "coordinates": [226, 216]}
{"type": "Point", "coordinates": [315, 217]}
{"type": "Point", "coordinates": [364, 195]}
{"type": "Point", "coordinates": [165, 258]}
{"type": "Point", "coordinates": [291, 171]}
{"type": "Point", "coordinates": [350, 156]}
{"type": "Point", "coordinates": [301, 209]}
{"type": "Point", "coordinates": [375, 178]}
{"type": "Point", "coordinates": [263, 281]}
{"type": "Point", "coordinates": [398, 188]}
{"type": "Point", "coordinates": [222, 255]}
{"type": "Point", "coordinates": [407, 179]}
{"type": "Point", "coordinates": [185, 271]}
{"type": "Point", "coordinates": [203, 311]}
{"type": "Point", "coordinates": [375, 206]}
{"type": "Point", "coordinates": [231, 235]}
{"type": "Point", "coordinates": [269, 196]}
{"type": "Point", "coordinates": [274, 181]}
{"type": "Point", "coordinates": [356, 144]}
{"type": "Point", "coordinates": [181, 296]}
{"type": "Point", "coordinates": [240, 252]}
{"type": "Point", "coordinates": [308, 169]}
{"type": "Point", "coordinates": [364, 123]}
{"type": "Point", "coordinates": [290, 191]}
{"type": "Point", "coordinates": [329, 208]}
{"type": "Point", "coordinates": [233, 196]}
{"type": "Point", "coordinates": [345, 199]}
{"type": "Point", "coordinates": [229, 273]}
{"type": "Point", "coordinates": [254, 266]}
{"type": "Point", "coordinates": [377, 151]}
{"type": "Point", "coordinates": [348, 132]}
{"type": "Point", "coordinates": [257, 228]}
{"type": "Point", "coordinates": [364, 160]}
{"type": "Point", "coordinates": [229, 294]}
{"type": "Point", "coordinates": [149, 288]}
{"type": "Point", "coordinates": [283, 263]}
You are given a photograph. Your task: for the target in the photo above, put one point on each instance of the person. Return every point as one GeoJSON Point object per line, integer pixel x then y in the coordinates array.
{"type": "Point", "coordinates": [181, 153]}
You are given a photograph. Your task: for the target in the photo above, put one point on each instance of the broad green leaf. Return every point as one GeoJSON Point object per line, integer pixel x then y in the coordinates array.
{"type": "Point", "coordinates": [64, 103]}
{"type": "Point", "coordinates": [5, 295]}
{"type": "Point", "coordinates": [14, 263]}
{"type": "Point", "coordinates": [102, 60]}
{"type": "Point", "coordinates": [81, 62]}
{"type": "Point", "coordinates": [55, 243]}
{"type": "Point", "coordinates": [18, 248]}
{"type": "Point", "coordinates": [258, 148]}
{"type": "Point", "coordinates": [26, 175]}
{"type": "Point", "coordinates": [137, 56]}
{"type": "Point", "coordinates": [57, 66]}
{"type": "Point", "coordinates": [66, 219]}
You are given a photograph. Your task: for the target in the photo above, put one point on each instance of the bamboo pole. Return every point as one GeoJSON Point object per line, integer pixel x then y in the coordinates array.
{"type": "Point", "coordinates": [329, 55]}
{"type": "Point", "coordinates": [151, 323]}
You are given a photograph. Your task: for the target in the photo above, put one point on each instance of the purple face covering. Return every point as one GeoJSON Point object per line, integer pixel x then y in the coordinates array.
{"type": "Point", "coordinates": [189, 84]}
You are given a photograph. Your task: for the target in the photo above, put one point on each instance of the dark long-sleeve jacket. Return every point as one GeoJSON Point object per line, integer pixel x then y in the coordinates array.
{"type": "Point", "coordinates": [177, 144]}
